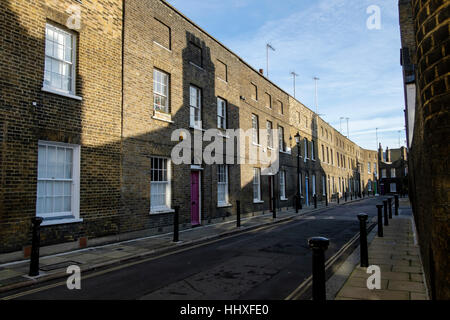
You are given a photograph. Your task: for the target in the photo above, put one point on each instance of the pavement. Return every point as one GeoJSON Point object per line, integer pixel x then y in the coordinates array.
{"type": "Point", "coordinates": [398, 256]}
{"type": "Point", "coordinates": [14, 275]}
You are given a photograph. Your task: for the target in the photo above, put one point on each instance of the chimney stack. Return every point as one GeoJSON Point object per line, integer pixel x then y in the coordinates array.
{"type": "Point", "coordinates": [388, 155]}
{"type": "Point", "coordinates": [261, 71]}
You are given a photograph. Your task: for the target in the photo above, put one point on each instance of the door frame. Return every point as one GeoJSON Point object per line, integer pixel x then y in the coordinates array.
{"type": "Point", "coordinates": [199, 171]}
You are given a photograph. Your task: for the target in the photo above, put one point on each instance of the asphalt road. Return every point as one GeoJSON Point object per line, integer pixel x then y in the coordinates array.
{"type": "Point", "coordinates": [257, 265]}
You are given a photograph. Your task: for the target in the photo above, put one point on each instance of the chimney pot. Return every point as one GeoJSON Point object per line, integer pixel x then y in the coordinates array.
{"type": "Point", "coordinates": [261, 71]}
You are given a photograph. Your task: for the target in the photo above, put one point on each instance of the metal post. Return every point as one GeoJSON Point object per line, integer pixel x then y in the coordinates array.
{"type": "Point", "coordinates": [390, 207]}
{"type": "Point", "coordinates": [351, 196]}
{"type": "Point", "coordinates": [362, 217]}
{"type": "Point", "coordinates": [396, 204]}
{"type": "Point", "coordinates": [274, 205]}
{"type": "Point", "coordinates": [318, 246]}
{"type": "Point", "coordinates": [35, 244]}
{"type": "Point", "coordinates": [296, 203]}
{"type": "Point", "coordinates": [337, 195]}
{"type": "Point", "coordinates": [326, 199]}
{"type": "Point", "coordinates": [315, 201]}
{"type": "Point", "coordinates": [380, 220]}
{"type": "Point", "coordinates": [176, 224]}
{"type": "Point", "coordinates": [238, 213]}
{"type": "Point", "coordinates": [345, 195]}
{"type": "Point", "coordinates": [386, 218]}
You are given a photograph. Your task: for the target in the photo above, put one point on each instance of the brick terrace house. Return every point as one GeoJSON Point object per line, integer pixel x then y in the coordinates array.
{"type": "Point", "coordinates": [91, 95]}
{"type": "Point", "coordinates": [393, 172]}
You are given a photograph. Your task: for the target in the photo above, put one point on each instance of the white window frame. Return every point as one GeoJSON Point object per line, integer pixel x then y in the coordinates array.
{"type": "Point", "coordinates": [281, 144]}
{"type": "Point", "coordinates": [72, 63]}
{"type": "Point", "coordinates": [74, 214]}
{"type": "Point", "coordinates": [313, 184]}
{"type": "Point", "coordinates": [269, 127]}
{"type": "Point", "coordinates": [323, 185]}
{"type": "Point", "coordinates": [166, 95]}
{"type": "Point", "coordinates": [305, 145]}
{"type": "Point", "coordinates": [393, 187]}
{"type": "Point", "coordinates": [283, 185]}
{"type": "Point", "coordinates": [369, 185]}
{"type": "Point", "coordinates": [257, 184]}
{"type": "Point", "coordinates": [196, 106]}
{"type": "Point", "coordinates": [255, 131]}
{"type": "Point", "coordinates": [368, 168]}
{"type": "Point", "coordinates": [221, 118]}
{"type": "Point", "coordinates": [168, 192]}
{"type": "Point", "coordinates": [224, 184]}
{"type": "Point", "coordinates": [383, 173]}
{"type": "Point", "coordinates": [393, 175]}
{"type": "Point", "coordinates": [313, 155]}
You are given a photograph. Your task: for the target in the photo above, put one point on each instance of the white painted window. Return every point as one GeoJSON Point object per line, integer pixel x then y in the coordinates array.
{"type": "Point", "coordinates": [392, 172]}
{"type": "Point", "coordinates": [383, 173]}
{"type": "Point", "coordinates": [375, 168]}
{"type": "Point", "coordinates": [221, 113]}
{"type": "Point", "coordinates": [60, 55]}
{"type": "Point", "coordinates": [369, 185]}
{"type": "Point", "coordinates": [195, 102]}
{"type": "Point", "coordinates": [281, 138]}
{"type": "Point", "coordinates": [368, 168]}
{"type": "Point", "coordinates": [256, 184]}
{"type": "Point", "coordinates": [255, 129]}
{"type": "Point", "coordinates": [160, 186]}
{"type": "Point", "coordinates": [222, 184]}
{"type": "Point", "coordinates": [269, 134]}
{"type": "Point", "coordinates": [313, 151]}
{"type": "Point", "coordinates": [282, 185]}
{"type": "Point", "coordinates": [393, 187]}
{"type": "Point", "coordinates": [58, 187]}
{"type": "Point", "coordinates": [160, 91]}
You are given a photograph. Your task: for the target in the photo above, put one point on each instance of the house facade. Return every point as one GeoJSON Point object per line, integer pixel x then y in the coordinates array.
{"type": "Point", "coordinates": [101, 97]}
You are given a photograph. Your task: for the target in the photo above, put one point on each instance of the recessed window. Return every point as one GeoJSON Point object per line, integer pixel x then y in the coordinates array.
{"type": "Point", "coordinates": [313, 151]}
{"type": "Point", "coordinates": [160, 91]}
{"type": "Point", "coordinates": [254, 91]}
{"type": "Point", "coordinates": [255, 129]}
{"type": "Point", "coordinates": [160, 192]}
{"type": "Point", "coordinates": [313, 184]}
{"type": "Point", "coordinates": [305, 141]}
{"type": "Point", "coordinates": [280, 104]}
{"type": "Point", "coordinates": [222, 71]}
{"type": "Point", "coordinates": [256, 184]}
{"type": "Point", "coordinates": [393, 173]}
{"type": "Point", "coordinates": [196, 56]}
{"type": "Point", "coordinates": [268, 100]}
{"type": "Point", "coordinates": [195, 102]}
{"type": "Point", "coordinates": [393, 187]}
{"type": "Point", "coordinates": [58, 180]}
{"type": "Point", "coordinates": [162, 34]}
{"type": "Point", "coordinates": [60, 54]}
{"type": "Point", "coordinates": [368, 168]}
{"type": "Point", "coordinates": [221, 113]}
{"type": "Point", "coordinates": [222, 185]}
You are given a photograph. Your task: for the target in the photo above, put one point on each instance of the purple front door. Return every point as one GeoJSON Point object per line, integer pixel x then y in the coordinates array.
{"type": "Point", "coordinates": [195, 198]}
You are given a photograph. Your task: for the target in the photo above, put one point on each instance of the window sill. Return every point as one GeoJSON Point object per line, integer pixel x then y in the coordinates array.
{"type": "Point", "coordinates": [161, 119]}
{"type": "Point", "coordinates": [224, 205]}
{"type": "Point", "coordinates": [161, 46]}
{"type": "Point", "coordinates": [226, 82]}
{"type": "Point", "coordinates": [61, 93]}
{"type": "Point", "coordinates": [284, 199]}
{"type": "Point", "coordinates": [197, 66]}
{"type": "Point", "coordinates": [197, 128]}
{"type": "Point", "coordinates": [258, 201]}
{"type": "Point", "coordinates": [60, 220]}
{"type": "Point", "coordinates": [256, 144]}
{"type": "Point", "coordinates": [285, 152]}
{"type": "Point", "coordinates": [161, 211]}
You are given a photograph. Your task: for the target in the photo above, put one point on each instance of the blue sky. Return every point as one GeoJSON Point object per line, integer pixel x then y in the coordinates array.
{"type": "Point", "coordinates": [359, 70]}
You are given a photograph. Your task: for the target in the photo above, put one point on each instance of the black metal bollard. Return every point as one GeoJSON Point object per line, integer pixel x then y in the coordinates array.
{"type": "Point", "coordinates": [351, 196]}
{"type": "Point", "coordinates": [176, 225]}
{"type": "Point", "coordinates": [274, 206]}
{"type": "Point", "coordinates": [386, 218]}
{"type": "Point", "coordinates": [396, 204]}
{"type": "Point", "coordinates": [362, 217]}
{"type": "Point", "coordinates": [318, 246]}
{"type": "Point", "coordinates": [35, 244]}
{"type": "Point", "coordinates": [337, 195]}
{"type": "Point", "coordinates": [238, 213]}
{"type": "Point", "coordinates": [380, 220]}
{"type": "Point", "coordinates": [345, 195]}
{"type": "Point", "coordinates": [390, 207]}
{"type": "Point", "coordinates": [315, 201]}
{"type": "Point", "coordinates": [300, 202]}
{"type": "Point", "coordinates": [326, 200]}
{"type": "Point", "coordinates": [296, 203]}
